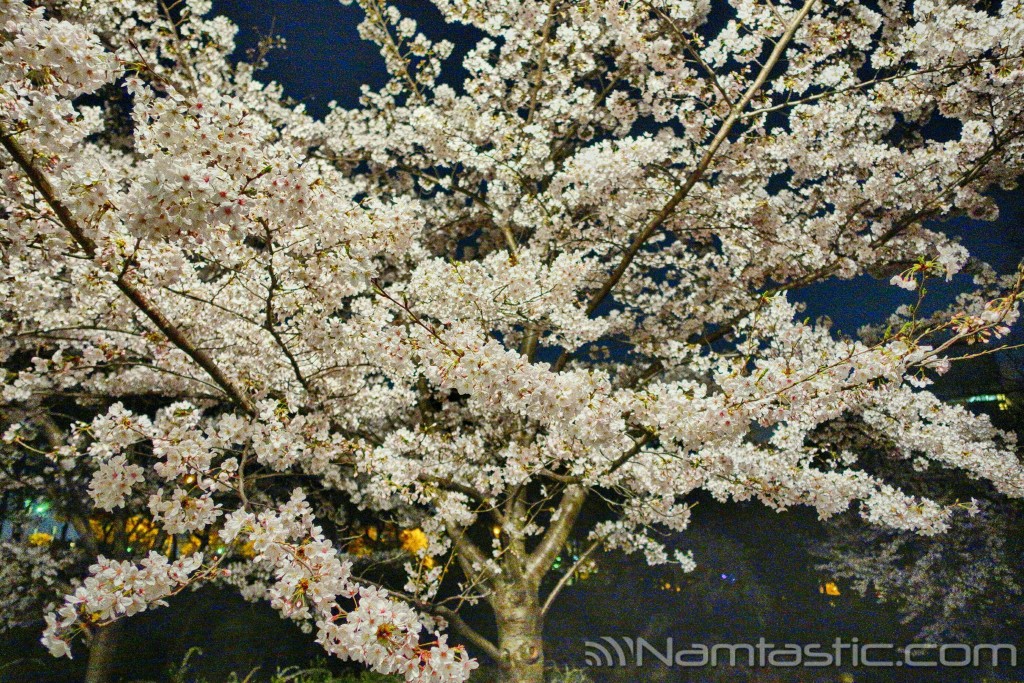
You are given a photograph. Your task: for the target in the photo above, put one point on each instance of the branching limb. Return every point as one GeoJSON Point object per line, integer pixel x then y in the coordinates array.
{"type": "Point", "coordinates": [173, 333]}
{"type": "Point", "coordinates": [698, 172]}
{"type": "Point", "coordinates": [539, 561]}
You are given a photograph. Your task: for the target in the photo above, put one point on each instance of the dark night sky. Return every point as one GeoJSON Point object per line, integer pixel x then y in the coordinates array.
{"type": "Point", "coordinates": [326, 60]}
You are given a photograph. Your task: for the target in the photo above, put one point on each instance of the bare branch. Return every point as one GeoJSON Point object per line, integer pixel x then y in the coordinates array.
{"type": "Point", "coordinates": [564, 581]}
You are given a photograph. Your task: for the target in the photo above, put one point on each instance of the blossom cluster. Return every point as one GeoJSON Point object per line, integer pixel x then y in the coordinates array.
{"type": "Point", "coordinates": [310, 580]}
{"type": "Point", "coordinates": [114, 589]}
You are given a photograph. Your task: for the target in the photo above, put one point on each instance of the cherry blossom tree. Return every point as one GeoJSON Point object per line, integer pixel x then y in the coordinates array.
{"type": "Point", "coordinates": [53, 533]}
{"type": "Point", "coordinates": [471, 309]}
{"type": "Point", "coordinates": [959, 586]}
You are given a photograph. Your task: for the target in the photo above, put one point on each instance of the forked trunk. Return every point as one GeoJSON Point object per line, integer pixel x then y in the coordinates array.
{"type": "Point", "coordinates": [514, 589]}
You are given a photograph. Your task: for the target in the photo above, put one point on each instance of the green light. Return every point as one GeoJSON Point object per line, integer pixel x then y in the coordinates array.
{"type": "Point", "coordinates": [986, 398]}
{"type": "Point", "coordinates": [42, 507]}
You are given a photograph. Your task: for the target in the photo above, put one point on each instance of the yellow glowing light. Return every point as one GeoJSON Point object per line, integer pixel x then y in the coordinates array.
{"type": "Point", "coordinates": [40, 538]}
{"type": "Point", "coordinates": [359, 548]}
{"type": "Point", "coordinates": [413, 540]}
{"type": "Point", "coordinates": [829, 588]}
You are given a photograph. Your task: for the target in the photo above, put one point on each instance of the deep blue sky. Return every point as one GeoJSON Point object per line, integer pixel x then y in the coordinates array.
{"type": "Point", "coordinates": [326, 60]}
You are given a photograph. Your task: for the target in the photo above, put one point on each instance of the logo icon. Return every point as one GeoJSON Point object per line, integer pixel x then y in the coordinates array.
{"type": "Point", "coordinates": [599, 655]}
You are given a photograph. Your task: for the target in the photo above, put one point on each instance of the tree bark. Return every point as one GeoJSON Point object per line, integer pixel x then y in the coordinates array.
{"type": "Point", "coordinates": [520, 631]}
{"type": "Point", "coordinates": [102, 654]}
{"type": "Point", "coordinates": [514, 590]}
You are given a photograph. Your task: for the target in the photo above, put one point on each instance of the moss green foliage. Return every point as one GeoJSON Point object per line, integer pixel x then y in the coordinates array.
{"type": "Point", "coordinates": [566, 675]}
{"type": "Point", "coordinates": [296, 675]}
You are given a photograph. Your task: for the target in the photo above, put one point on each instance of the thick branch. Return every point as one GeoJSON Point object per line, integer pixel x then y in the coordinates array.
{"type": "Point", "coordinates": [557, 534]}
{"type": "Point", "coordinates": [471, 634]}
{"type": "Point", "coordinates": [471, 558]}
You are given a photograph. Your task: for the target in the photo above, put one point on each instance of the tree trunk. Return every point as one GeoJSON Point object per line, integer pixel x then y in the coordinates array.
{"type": "Point", "coordinates": [102, 653]}
{"type": "Point", "coordinates": [520, 632]}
